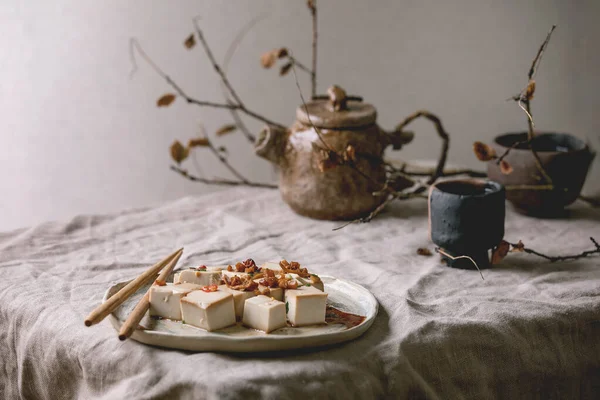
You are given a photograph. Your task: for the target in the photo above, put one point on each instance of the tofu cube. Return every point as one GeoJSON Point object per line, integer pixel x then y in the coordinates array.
{"type": "Point", "coordinates": [272, 266]}
{"type": "Point", "coordinates": [231, 274]}
{"type": "Point", "coordinates": [317, 285]}
{"type": "Point", "coordinates": [211, 276]}
{"type": "Point", "coordinates": [276, 293]}
{"type": "Point", "coordinates": [239, 299]}
{"type": "Point", "coordinates": [208, 310]}
{"type": "Point", "coordinates": [264, 313]}
{"type": "Point", "coordinates": [164, 300]}
{"type": "Point", "coordinates": [305, 306]}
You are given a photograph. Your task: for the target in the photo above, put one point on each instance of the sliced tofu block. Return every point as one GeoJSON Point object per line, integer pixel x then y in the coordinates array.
{"type": "Point", "coordinates": [307, 282]}
{"type": "Point", "coordinates": [264, 313]}
{"type": "Point", "coordinates": [208, 310]}
{"type": "Point", "coordinates": [239, 299]}
{"type": "Point", "coordinates": [231, 274]}
{"type": "Point", "coordinates": [274, 266]}
{"type": "Point", "coordinates": [211, 276]}
{"type": "Point", "coordinates": [276, 293]}
{"type": "Point", "coordinates": [164, 300]}
{"type": "Point", "coordinates": [305, 306]}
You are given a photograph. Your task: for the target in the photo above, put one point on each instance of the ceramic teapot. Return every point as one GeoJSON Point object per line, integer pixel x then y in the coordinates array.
{"type": "Point", "coordinates": [340, 192]}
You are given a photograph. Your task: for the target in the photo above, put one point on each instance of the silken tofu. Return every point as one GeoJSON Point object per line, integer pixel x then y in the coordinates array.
{"type": "Point", "coordinates": [239, 299]}
{"type": "Point", "coordinates": [264, 313]}
{"type": "Point", "coordinates": [208, 310]}
{"type": "Point", "coordinates": [276, 293]}
{"type": "Point", "coordinates": [211, 276]}
{"type": "Point", "coordinates": [164, 300]}
{"type": "Point", "coordinates": [305, 306]}
{"type": "Point", "coordinates": [274, 266]}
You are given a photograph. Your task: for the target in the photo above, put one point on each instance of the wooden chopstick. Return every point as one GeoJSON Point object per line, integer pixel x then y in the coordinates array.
{"type": "Point", "coordinates": [130, 325]}
{"type": "Point", "coordinates": [118, 298]}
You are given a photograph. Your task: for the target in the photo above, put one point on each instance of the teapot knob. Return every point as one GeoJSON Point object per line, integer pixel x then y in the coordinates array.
{"type": "Point", "coordinates": [338, 100]}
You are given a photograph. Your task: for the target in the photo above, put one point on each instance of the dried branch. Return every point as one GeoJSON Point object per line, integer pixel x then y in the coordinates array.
{"type": "Point", "coordinates": [134, 45]}
{"type": "Point", "coordinates": [521, 248]}
{"type": "Point", "coordinates": [312, 5]}
{"type": "Point", "coordinates": [379, 209]}
{"type": "Point", "coordinates": [439, 171]}
{"type": "Point", "coordinates": [523, 99]}
{"type": "Point", "coordinates": [228, 56]}
{"type": "Point", "coordinates": [216, 66]}
{"type": "Point", "coordinates": [442, 252]}
{"type": "Point", "coordinates": [223, 182]}
{"type": "Point", "coordinates": [590, 200]}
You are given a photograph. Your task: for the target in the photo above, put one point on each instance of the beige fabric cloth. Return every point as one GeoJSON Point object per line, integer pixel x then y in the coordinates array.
{"type": "Point", "coordinates": [530, 330]}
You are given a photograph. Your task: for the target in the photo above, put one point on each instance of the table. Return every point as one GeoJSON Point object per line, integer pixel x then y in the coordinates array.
{"type": "Point", "coordinates": [529, 330]}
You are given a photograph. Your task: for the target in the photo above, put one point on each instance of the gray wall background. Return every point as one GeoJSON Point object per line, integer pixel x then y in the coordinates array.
{"type": "Point", "coordinates": [77, 135]}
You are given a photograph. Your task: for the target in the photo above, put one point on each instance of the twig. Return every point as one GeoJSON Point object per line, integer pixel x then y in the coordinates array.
{"type": "Point", "coordinates": [312, 5]}
{"type": "Point", "coordinates": [318, 131]}
{"type": "Point", "coordinates": [559, 258]}
{"type": "Point", "coordinates": [299, 65]}
{"type": "Point", "coordinates": [508, 150]}
{"type": "Point", "coordinates": [529, 187]}
{"type": "Point", "coordinates": [524, 102]}
{"type": "Point", "coordinates": [591, 201]}
{"type": "Point", "coordinates": [224, 182]}
{"type": "Point", "coordinates": [228, 56]}
{"type": "Point", "coordinates": [398, 196]}
{"type": "Point", "coordinates": [134, 45]}
{"type": "Point", "coordinates": [538, 58]}
{"type": "Point", "coordinates": [216, 66]}
{"type": "Point", "coordinates": [469, 172]}
{"type": "Point", "coordinates": [224, 161]}
{"type": "Point", "coordinates": [442, 252]}
{"type": "Point", "coordinates": [441, 133]}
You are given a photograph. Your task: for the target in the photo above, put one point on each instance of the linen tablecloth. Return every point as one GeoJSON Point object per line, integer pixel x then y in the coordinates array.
{"type": "Point", "coordinates": [529, 330]}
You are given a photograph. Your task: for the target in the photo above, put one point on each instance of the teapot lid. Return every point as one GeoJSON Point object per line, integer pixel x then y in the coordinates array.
{"type": "Point", "coordinates": [337, 111]}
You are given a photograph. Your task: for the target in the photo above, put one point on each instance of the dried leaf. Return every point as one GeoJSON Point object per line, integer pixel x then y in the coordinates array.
{"type": "Point", "coordinates": [165, 100]}
{"type": "Point", "coordinates": [225, 129]}
{"type": "Point", "coordinates": [500, 252]}
{"type": "Point", "coordinates": [350, 153]}
{"type": "Point", "coordinates": [178, 152]}
{"type": "Point", "coordinates": [505, 167]}
{"type": "Point", "coordinates": [483, 152]}
{"type": "Point", "coordinates": [311, 5]}
{"type": "Point", "coordinates": [519, 247]}
{"type": "Point", "coordinates": [190, 42]}
{"type": "Point", "coordinates": [267, 60]}
{"type": "Point", "coordinates": [530, 90]}
{"type": "Point", "coordinates": [282, 52]}
{"type": "Point", "coordinates": [199, 142]}
{"type": "Point", "coordinates": [423, 251]}
{"type": "Point", "coordinates": [327, 164]}
{"type": "Point", "coordinates": [285, 69]}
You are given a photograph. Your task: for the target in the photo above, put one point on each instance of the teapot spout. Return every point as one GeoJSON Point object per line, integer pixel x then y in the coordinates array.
{"type": "Point", "coordinates": [270, 144]}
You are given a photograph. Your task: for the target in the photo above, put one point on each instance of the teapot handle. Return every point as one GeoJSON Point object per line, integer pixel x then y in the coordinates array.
{"type": "Point", "coordinates": [398, 138]}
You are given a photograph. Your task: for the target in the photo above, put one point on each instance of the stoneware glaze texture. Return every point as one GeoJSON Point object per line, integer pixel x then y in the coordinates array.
{"type": "Point", "coordinates": [565, 158]}
{"type": "Point", "coordinates": [466, 217]}
{"type": "Point", "coordinates": [340, 192]}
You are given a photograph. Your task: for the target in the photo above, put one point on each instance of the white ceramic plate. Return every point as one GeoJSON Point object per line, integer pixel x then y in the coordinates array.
{"type": "Point", "coordinates": [343, 295]}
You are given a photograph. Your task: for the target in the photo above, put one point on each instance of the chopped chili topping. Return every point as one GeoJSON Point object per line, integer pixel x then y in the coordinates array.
{"type": "Point", "coordinates": [210, 288]}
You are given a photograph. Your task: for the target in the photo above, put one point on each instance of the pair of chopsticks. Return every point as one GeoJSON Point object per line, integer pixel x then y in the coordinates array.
{"type": "Point", "coordinates": [167, 265]}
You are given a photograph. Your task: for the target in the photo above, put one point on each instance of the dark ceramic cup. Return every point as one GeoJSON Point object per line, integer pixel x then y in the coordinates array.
{"type": "Point", "coordinates": [565, 158]}
{"type": "Point", "coordinates": [466, 218]}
